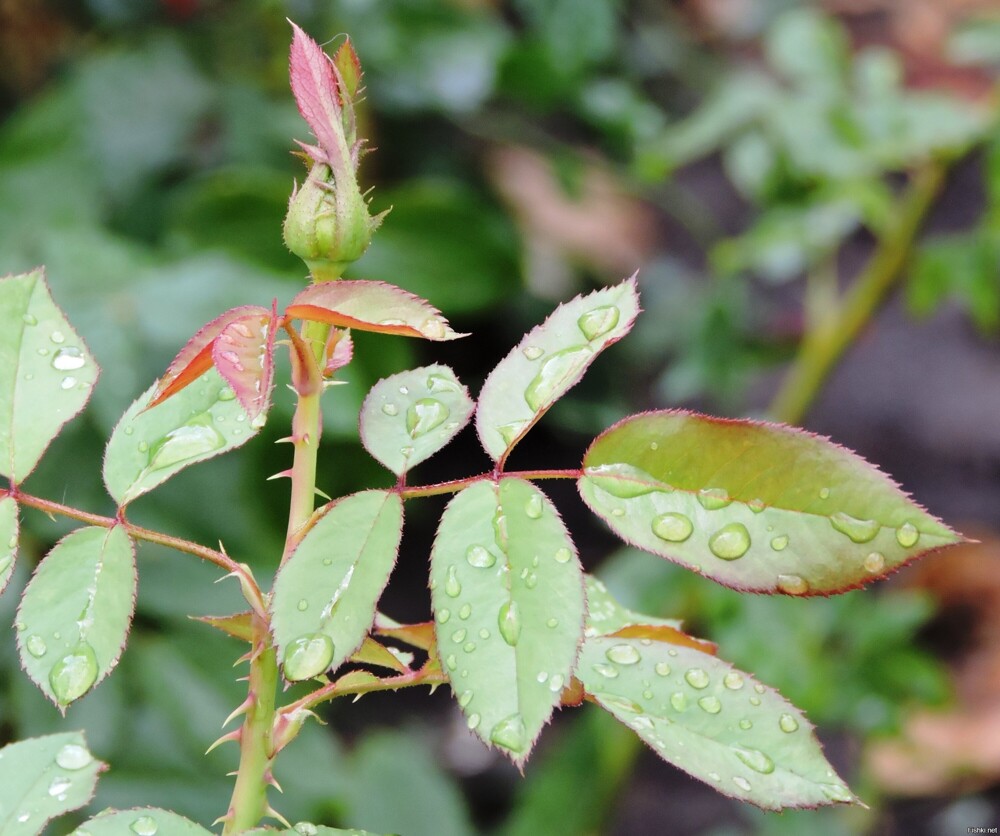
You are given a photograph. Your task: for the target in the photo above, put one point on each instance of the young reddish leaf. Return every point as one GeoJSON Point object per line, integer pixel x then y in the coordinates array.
{"type": "Point", "coordinates": [714, 722]}
{"type": "Point", "coordinates": [42, 361]}
{"type": "Point", "coordinates": [755, 506]}
{"type": "Point", "coordinates": [372, 652]}
{"type": "Point", "coordinates": [76, 611]}
{"type": "Point", "coordinates": [195, 358]}
{"type": "Point", "coordinates": [239, 625]}
{"type": "Point", "coordinates": [8, 539]}
{"type": "Point", "coordinates": [318, 95]}
{"type": "Point", "coordinates": [339, 351]}
{"type": "Point", "coordinates": [548, 362]}
{"type": "Point", "coordinates": [371, 306]}
{"type": "Point", "coordinates": [349, 66]}
{"type": "Point", "coordinates": [244, 355]}
{"type": "Point", "coordinates": [416, 635]}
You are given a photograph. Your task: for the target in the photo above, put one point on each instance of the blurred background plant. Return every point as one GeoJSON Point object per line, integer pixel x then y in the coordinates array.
{"type": "Point", "coordinates": [775, 170]}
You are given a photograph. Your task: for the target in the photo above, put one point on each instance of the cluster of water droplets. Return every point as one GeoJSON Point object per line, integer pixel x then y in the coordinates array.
{"type": "Point", "coordinates": [64, 358]}
{"type": "Point", "coordinates": [70, 759]}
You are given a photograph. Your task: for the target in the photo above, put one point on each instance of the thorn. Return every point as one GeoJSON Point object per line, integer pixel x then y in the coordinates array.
{"type": "Point", "coordinates": [274, 814]}
{"type": "Point", "coordinates": [434, 687]}
{"type": "Point", "coordinates": [246, 657]}
{"type": "Point", "coordinates": [243, 679]}
{"type": "Point", "coordinates": [356, 698]}
{"type": "Point", "coordinates": [222, 819]}
{"type": "Point", "coordinates": [291, 388]}
{"type": "Point", "coordinates": [288, 439]}
{"type": "Point", "coordinates": [233, 735]}
{"type": "Point", "coordinates": [228, 775]}
{"type": "Point", "coordinates": [328, 383]}
{"type": "Point", "coordinates": [284, 474]}
{"type": "Point", "coordinates": [269, 777]}
{"type": "Point", "coordinates": [242, 708]}
{"type": "Point", "coordinates": [323, 494]}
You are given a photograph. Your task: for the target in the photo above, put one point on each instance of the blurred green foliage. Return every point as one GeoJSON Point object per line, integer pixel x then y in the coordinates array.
{"type": "Point", "coordinates": [151, 174]}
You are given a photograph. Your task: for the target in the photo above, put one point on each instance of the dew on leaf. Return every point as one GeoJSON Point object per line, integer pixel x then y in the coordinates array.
{"type": "Point", "coordinates": [875, 562]}
{"type": "Point", "coordinates": [662, 669]}
{"type": "Point", "coordinates": [308, 656]}
{"type": "Point", "coordinates": [672, 527]}
{"type": "Point", "coordinates": [824, 493]}
{"type": "Point", "coordinates": [29, 319]}
{"type": "Point", "coordinates": [563, 555]}
{"type": "Point", "coordinates": [303, 605]}
{"type": "Point", "coordinates": [733, 681]}
{"type": "Point", "coordinates": [452, 587]}
{"type": "Point", "coordinates": [195, 438]}
{"type": "Point", "coordinates": [625, 481]}
{"type": "Point", "coordinates": [68, 359]}
{"type": "Point", "coordinates": [859, 531]}
{"type": "Point", "coordinates": [837, 792]}
{"type": "Point", "coordinates": [473, 722]}
{"type": "Point", "coordinates": [696, 678]}
{"type": "Point", "coordinates": [441, 383]}
{"type": "Point", "coordinates": [67, 382]}
{"type": "Point", "coordinates": [552, 623]}
{"type": "Point", "coordinates": [424, 415]}
{"type": "Point", "coordinates": [36, 646]}
{"type": "Point", "coordinates": [304, 828]}
{"type": "Point", "coordinates": [556, 683]}
{"type": "Point", "coordinates": [465, 698]}
{"type": "Point", "coordinates": [500, 529]}
{"type": "Point", "coordinates": [710, 704]}
{"type": "Point", "coordinates": [509, 432]}
{"type": "Point", "coordinates": [58, 337]}
{"type": "Point", "coordinates": [465, 611]}
{"type": "Point", "coordinates": [787, 723]}
{"type": "Point", "coordinates": [532, 352]}
{"type": "Point", "coordinates": [73, 675]}
{"type": "Point", "coordinates": [907, 535]}
{"type": "Point", "coordinates": [468, 647]}
{"type": "Point", "coordinates": [756, 505]}
{"type": "Point", "coordinates": [451, 661]}
{"type": "Point", "coordinates": [59, 785]}
{"type": "Point", "coordinates": [742, 783]}
{"type": "Point", "coordinates": [44, 352]}
{"type": "Point", "coordinates": [780, 543]}
{"type": "Point", "coordinates": [598, 322]}
{"type": "Point", "coordinates": [434, 328]}
{"type": "Point", "coordinates": [623, 654]}
{"type": "Point", "coordinates": [755, 759]}
{"type": "Point", "coordinates": [712, 499]}
{"type": "Point", "coordinates": [443, 615]}
{"type": "Point", "coordinates": [608, 671]}
{"type": "Point", "coordinates": [792, 584]}
{"type": "Point", "coordinates": [144, 826]}
{"type": "Point", "coordinates": [510, 733]}
{"type": "Point", "coordinates": [390, 409]}
{"type": "Point", "coordinates": [73, 756]}
{"type": "Point", "coordinates": [459, 635]}
{"type": "Point", "coordinates": [554, 374]}
{"type": "Point", "coordinates": [226, 394]}
{"type": "Point", "coordinates": [745, 724]}
{"type": "Point", "coordinates": [533, 507]}
{"type": "Point", "coordinates": [678, 701]}
{"type": "Point", "coordinates": [730, 542]}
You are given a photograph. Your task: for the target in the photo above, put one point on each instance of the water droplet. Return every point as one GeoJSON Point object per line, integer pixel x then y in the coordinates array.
{"type": "Point", "coordinates": [465, 612]}
{"type": "Point", "coordinates": [552, 623]}
{"type": "Point", "coordinates": [730, 542]}
{"type": "Point", "coordinates": [308, 656]}
{"type": "Point", "coordinates": [712, 499]}
{"type": "Point", "coordinates": [742, 783]}
{"type": "Point", "coordinates": [29, 319]}
{"type": "Point", "coordinates": [759, 688]}
{"type": "Point", "coordinates": [36, 646]}
{"type": "Point", "coordinates": [509, 622]}
{"type": "Point", "coordinates": [73, 675]}
{"type": "Point", "coordinates": [442, 383]}
{"type": "Point", "coordinates": [623, 654]}
{"type": "Point", "coordinates": [58, 337]}
{"type": "Point", "coordinates": [451, 661]}
{"type": "Point", "coordinates": [195, 438]}
{"type": "Point", "coordinates": [787, 723]}
{"type": "Point", "coordinates": [859, 531]}
{"type": "Point", "coordinates": [556, 683]}
{"type": "Point", "coordinates": [59, 785]}
{"type": "Point", "coordinates": [678, 701]}
{"type": "Point", "coordinates": [907, 535]}
{"type": "Point", "coordinates": [303, 605]}
{"type": "Point", "coordinates": [225, 394]}
{"type": "Point", "coordinates": [755, 759]}
{"type": "Point", "coordinates": [875, 562]}
{"type": "Point", "coordinates": [672, 527]}
{"type": "Point", "coordinates": [780, 543]}
{"type": "Point", "coordinates": [459, 635]}
{"type": "Point", "coordinates": [43, 352]}
{"type": "Point", "coordinates": [473, 722]}
{"type": "Point", "coordinates": [510, 432]}
{"type": "Point", "coordinates": [696, 678]}
{"type": "Point", "coordinates": [733, 681]}
{"type": "Point", "coordinates": [480, 557]}
{"type": "Point", "coordinates": [510, 733]}
{"type": "Point", "coordinates": [390, 409]}
{"type": "Point", "coordinates": [662, 669]}
{"type": "Point", "coordinates": [68, 359]}
{"type": "Point", "coordinates": [304, 828]}
{"type": "Point", "coordinates": [29, 376]}
{"type": "Point", "coordinates": [532, 352]}
{"type": "Point", "coordinates": [793, 584]}
{"type": "Point", "coordinates": [608, 671]}
{"type": "Point", "coordinates": [837, 792]}
{"type": "Point", "coordinates": [67, 382]}
{"type": "Point", "coordinates": [542, 677]}
{"type": "Point", "coordinates": [557, 371]}
{"type": "Point", "coordinates": [144, 826]}
{"type": "Point", "coordinates": [824, 493]}
{"type": "Point", "coordinates": [484, 633]}
{"type": "Point", "coordinates": [73, 756]}
{"type": "Point", "coordinates": [533, 507]}
{"type": "Point", "coordinates": [710, 705]}
{"type": "Point", "coordinates": [756, 505]}
{"type": "Point", "coordinates": [443, 615]}
{"type": "Point", "coordinates": [424, 415]}
{"type": "Point", "coordinates": [465, 698]}
{"type": "Point", "coordinates": [142, 447]}
{"type": "Point", "coordinates": [531, 581]}
{"type": "Point", "coordinates": [745, 724]}
{"type": "Point", "coordinates": [598, 322]}
{"type": "Point", "coordinates": [563, 555]}
{"type": "Point", "coordinates": [755, 701]}
{"type": "Point", "coordinates": [452, 588]}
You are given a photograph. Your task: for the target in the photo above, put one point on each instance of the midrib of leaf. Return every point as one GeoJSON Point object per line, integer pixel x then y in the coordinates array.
{"type": "Point", "coordinates": [15, 399]}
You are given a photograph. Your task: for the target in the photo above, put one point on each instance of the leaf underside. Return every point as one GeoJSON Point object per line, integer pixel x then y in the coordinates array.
{"type": "Point", "coordinates": [75, 614]}
{"type": "Point", "coordinates": [757, 507]}
{"type": "Point", "coordinates": [408, 417]}
{"type": "Point", "coordinates": [507, 592]}
{"type": "Point", "coordinates": [42, 778]}
{"type": "Point", "coordinates": [142, 820]}
{"type": "Point", "coordinates": [43, 362]}
{"type": "Point", "coordinates": [714, 722]}
{"type": "Point", "coordinates": [325, 596]}
{"type": "Point", "coordinates": [549, 361]}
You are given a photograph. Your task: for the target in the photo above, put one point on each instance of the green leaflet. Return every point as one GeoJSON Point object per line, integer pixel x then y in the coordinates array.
{"type": "Point", "coordinates": [325, 595]}
{"type": "Point", "coordinates": [304, 828]}
{"type": "Point", "coordinates": [605, 615]}
{"type": "Point", "coordinates": [8, 539]}
{"type": "Point", "coordinates": [46, 372]}
{"type": "Point", "coordinates": [508, 599]}
{"type": "Point", "coordinates": [148, 447]}
{"type": "Point", "coordinates": [714, 722]}
{"type": "Point", "coordinates": [759, 507]}
{"type": "Point", "coordinates": [75, 614]}
{"type": "Point", "coordinates": [146, 821]}
{"type": "Point", "coordinates": [42, 778]}
{"type": "Point", "coordinates": [549, 361]}
{"type": "Point", "coordinates": [408, 417]}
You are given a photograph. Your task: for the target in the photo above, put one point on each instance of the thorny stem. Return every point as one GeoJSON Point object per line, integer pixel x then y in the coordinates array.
{"type": "Point", "coordinates": [220, 559]}
{"type": "Point", "coordinates": [827, 339]}
{"type": "Point", "coordinates": [429, 674]}
{"type": "Point", "coordinates": [455, 485]}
